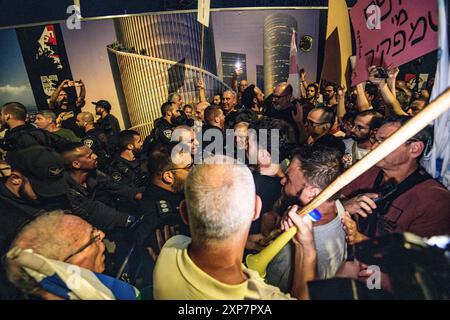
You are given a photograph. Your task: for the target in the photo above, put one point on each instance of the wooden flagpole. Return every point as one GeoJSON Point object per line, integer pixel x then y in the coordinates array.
{"type": "Point", "coordinates": [406, 132]}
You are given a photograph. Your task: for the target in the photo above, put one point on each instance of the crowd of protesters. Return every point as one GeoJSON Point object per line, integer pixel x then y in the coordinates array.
{"type": "Point", "coordinates": [175, 213]}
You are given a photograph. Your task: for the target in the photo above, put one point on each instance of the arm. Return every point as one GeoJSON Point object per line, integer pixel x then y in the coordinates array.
{"type": "Point", "coordinates": [55, 94]}
{"type": "Point", "coordinates": [201, 91]}
{"type": "Point", "coordinates": [392, 72]}
{"type": "Point", "coordinates": [341, 102]}
{"type": "Point", "coordinates": [305, 253]}
{"type": "Point", "coordinates": [95, 212]}
{"type": "Point", "coordinates": [303, 84]}
{"type": "Point", "coordinates": [361, 100]}
{"type": "Point", "coordinates": [234, 82]}
{"type": "Point", "coordinates": [298, 118]}
{"type": "Point", "coordinates": [81, 98]}
{"type": "Point", "coordinates": [386, 93]}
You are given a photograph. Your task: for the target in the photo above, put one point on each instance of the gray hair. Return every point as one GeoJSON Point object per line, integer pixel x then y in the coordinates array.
{"type": "Point", "coordinates": [220, 197]}
{"type": "Point", "coordinates": [47, 114]}
{"type": "Point", "coordinates": [46, 235]}
{"type": "Point", "coordinates": [232, 92]}
{"type": "Point", "coordinates": [173, 97]}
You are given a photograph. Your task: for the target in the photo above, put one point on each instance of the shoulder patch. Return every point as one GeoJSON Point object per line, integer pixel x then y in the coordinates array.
{"type": "Point", "coordinates": [116, 176]}
{"type": "Point", "coordinates": [54, 172]}
{"type": "Point", "coordinates": [88, 142]}
{"type": "Point", "coordinates": [167, 133]}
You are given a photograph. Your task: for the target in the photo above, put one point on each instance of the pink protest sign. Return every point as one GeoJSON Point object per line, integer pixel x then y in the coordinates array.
{"type": "Point", "coordinates": [392, 32]}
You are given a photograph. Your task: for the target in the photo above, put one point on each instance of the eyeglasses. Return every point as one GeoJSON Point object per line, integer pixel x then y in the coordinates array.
{"type": "Point", "coordinates": [381, 140]}
{"type": "Point", "coordinates": [96, 236]}
{"type": "Point", "coordinates": [358, 127]}
{"type": "Point", "coordinates": [314, 124]}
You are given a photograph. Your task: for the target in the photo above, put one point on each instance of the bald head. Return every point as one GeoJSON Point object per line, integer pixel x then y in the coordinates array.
{"type": "Point", "coordinates": [282, 95]}
{"type": "Point", "coordinates": [85, 120]}
{"type": "Point", "coordinates": [86, 116]}
{"type": "Point", "coordinates": [54, 235]}
{"type": "Point", "coordinates": [200, 110]}
{"type": "Point", "coordinates": [220, 198]}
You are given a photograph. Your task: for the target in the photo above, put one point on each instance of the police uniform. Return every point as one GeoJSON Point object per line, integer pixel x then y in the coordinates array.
{"type": "Point", "coordinates": [95, 203]}
{"type": "Point", "coordinates": [110, 125]}
{"type": "Point", "coordinates": [97, 141]}
{"type": "Point", "coordinates": [163, 131]}
{"type": "Point", "coordinates": [27, 135]}
{"type": "Point", "coordinates": [159, 207]}
{"type": "Point", "coordinates": [128, 172]}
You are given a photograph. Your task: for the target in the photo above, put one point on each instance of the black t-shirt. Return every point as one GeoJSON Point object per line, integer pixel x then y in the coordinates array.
{"type": "Point", "coordinates": [269, 190]}
{"type": "Point", "coordinates": [285, 114]}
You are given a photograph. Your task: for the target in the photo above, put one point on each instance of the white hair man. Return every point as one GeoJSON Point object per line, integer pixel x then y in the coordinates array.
{"type": "Point", "coordinates": [58, 236]}
{"type": "Point", "coordinates": [220, 205]}
{"type": "Point", "coordinates": [177, 99]}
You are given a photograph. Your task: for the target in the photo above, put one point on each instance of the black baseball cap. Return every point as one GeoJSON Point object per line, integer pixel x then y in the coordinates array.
{"type": "Point", "coordinates": [102, 103]}
{"type": "Point", "coordinates": [43, 167]}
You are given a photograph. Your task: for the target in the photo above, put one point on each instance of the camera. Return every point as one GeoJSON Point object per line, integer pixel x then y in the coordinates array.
{"type": "Point", "coordinates": [381, 73]}
{"type": "Point", "coordinates": [417, 270]}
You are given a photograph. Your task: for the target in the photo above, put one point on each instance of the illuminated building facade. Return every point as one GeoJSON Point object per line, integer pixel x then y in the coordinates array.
{"type": "Point", "coordinates": [229, 61]}
{"type": "Point", "coordinates": [156, 55]}
{"type": "Point", "coordinates": [277, 42]}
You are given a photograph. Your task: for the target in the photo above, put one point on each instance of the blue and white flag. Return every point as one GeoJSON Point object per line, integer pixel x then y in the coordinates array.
{"type": "Point", "coordinates": [437, 162]}
{"type": "Point", "coordinates": [69, 281]}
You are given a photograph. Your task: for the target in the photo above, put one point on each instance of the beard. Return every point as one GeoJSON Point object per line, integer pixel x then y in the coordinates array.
{"type": "Point", "coordinates": [284, 202]}
{"type": "Point", "coordinates": [64, 102]}
{"type": "Point", "coordinates": [277, 106]}
{"type": "Point", "coordinates": [360, 139]}
{"type": "Point", "coordinates": [178, 185]}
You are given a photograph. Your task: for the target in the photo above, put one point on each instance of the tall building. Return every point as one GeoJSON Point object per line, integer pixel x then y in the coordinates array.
{"type": "Point", "coordinates": [277, 40]}
{"type": "Point", "coordinates": [156, 55]}
{"type": "Point", "coordinates": [260, 76]}
{"type": "Point", "coordinates": [228, 63]}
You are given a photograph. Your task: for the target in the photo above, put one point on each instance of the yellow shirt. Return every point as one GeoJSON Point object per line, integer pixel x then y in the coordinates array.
{"type": "Point", "coordinates": [176, 277]}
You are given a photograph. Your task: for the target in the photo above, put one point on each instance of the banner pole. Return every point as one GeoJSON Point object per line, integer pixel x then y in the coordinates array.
{"type": "Point", "coordinates": [201, 52]}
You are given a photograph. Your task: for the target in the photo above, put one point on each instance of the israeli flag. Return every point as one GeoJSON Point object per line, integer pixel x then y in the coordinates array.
{"type": "Point", "coordinates": [69, 281]}
{"type": "Point", "coordinates": [437, 162]}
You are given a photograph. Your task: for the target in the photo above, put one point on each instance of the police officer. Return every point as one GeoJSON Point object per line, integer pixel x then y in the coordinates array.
{"type": "Point", "coordinates": [21, 135]}
{"type": "Point", "coordinates": [127, 167]}
{"type": "Point", "coordinates": [35, 179]}
{"type": "Point", "coordinates": [93, 192]}
{"type": "Point", "coordinates": [161, 200]}
{"type": "Point", "coordinates": [96, 140]}
{"type": "Point", "coordinates": [107, 122]}
{"type": "Point", "coordinates": [163, 127]}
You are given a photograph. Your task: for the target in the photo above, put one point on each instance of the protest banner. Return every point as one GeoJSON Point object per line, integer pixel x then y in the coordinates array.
{"type": "Point", "coordinates": [392, 32]}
